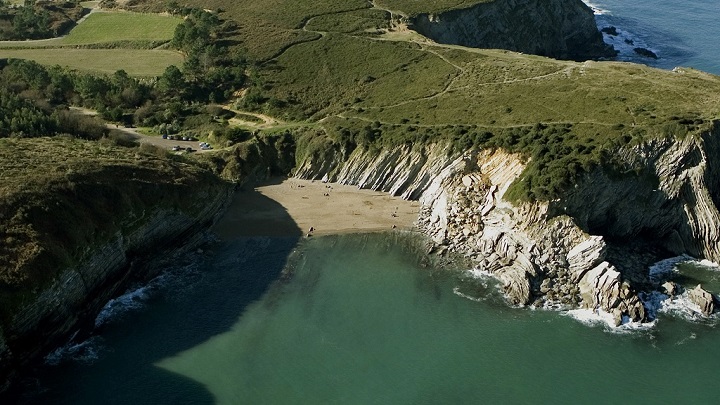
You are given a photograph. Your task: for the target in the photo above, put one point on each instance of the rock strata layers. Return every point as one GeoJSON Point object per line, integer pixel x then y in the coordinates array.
{"type": "Point", "coordinates": [50, 314]}
{"type": "Point", "coordinates": [561, 29]}
{"type": "Point", "coordinates": [556, 254]}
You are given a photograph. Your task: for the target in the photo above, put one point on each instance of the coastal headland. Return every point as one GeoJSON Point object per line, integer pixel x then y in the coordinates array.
{"type": "Point", "coordinates": [563, 178]}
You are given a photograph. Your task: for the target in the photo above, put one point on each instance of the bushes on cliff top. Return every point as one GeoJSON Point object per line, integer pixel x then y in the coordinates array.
{"type": "Point", "coordinates": [60, 198]}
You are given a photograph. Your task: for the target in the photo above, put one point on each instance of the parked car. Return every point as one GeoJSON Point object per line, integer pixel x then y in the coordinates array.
{"type": "Point", "coordinates": [165, 136]}
{"type": "Point", "coordinates": [176, 148]}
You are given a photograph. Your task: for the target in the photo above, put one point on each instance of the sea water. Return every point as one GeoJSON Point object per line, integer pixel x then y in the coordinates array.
{"type": "Point", "coordinates": [362, 319]}
{"type": "Point", "coordinates": [680, 33]}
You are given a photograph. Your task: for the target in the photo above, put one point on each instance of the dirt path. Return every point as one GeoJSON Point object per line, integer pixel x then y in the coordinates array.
{"type": "Point", "coordinates": [267, 121]}
{"type": "Point", "coordinates": [142, 138]}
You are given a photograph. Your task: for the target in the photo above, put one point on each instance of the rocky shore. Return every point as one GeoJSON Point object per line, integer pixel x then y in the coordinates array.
{"type": "Point", "coordinates": [591, 249]}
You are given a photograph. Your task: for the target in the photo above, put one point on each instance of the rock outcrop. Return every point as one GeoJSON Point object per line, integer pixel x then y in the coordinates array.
{"type": "Point", "coordinates": [561, 29]}
{"type": "Point", "coordinates": [571, 252]}
{"type": "Point", "coordinates": [51, 313]}
{"type": "Point", "coordinates": [703, 299]}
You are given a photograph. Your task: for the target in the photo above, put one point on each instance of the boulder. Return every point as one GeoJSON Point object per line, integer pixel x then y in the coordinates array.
{"type": "Point", "coordinates": [703, 299]}
{"type": "Point", "coordinates": [586, 255]}
{"type": "Point", "coordinates": [670, 288]}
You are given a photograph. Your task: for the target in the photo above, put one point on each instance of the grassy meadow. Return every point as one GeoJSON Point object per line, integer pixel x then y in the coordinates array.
{"type": "Point", "coordinates": [109, 27]}
{"type": "Point", "coordinates": [106, 42]}
{"type": "Point", "coordinates": [414, 7]}
{"type": "Point", "coordinates": [341, 66]}
{"type": "Point", "coordinates": [136, 62]}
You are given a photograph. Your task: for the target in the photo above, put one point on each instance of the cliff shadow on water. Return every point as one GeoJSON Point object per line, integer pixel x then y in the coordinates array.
{"type": "Point", "coordinates": [161, 319]}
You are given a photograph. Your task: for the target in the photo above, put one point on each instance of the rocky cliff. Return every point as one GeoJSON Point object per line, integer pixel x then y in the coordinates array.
{"type": "Point", "coordinates": [561, 29]}
{"type": "Point", "coordinates": [591, 248]}
{"type": "Point", "coordinates": [141, 213]}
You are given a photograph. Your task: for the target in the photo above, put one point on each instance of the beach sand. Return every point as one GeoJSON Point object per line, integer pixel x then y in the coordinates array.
{"type": "Point", "coordinates": [290, 207]}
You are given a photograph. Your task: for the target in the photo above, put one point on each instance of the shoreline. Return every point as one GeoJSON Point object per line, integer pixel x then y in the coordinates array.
{"type": "Point", "coordinates": [291, 207]}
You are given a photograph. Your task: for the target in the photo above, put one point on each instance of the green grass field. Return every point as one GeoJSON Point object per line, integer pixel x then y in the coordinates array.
{"type": "Point", "coordinates": [103, 27]}
{"type": "Point", "coordinates": [123, 31]}
{"type": "Point", "coordinates": [414, 7]}
{"type": "Point", "coordinates": [136, 62]}
{"type": "Point", "coordinates": [110, 28]}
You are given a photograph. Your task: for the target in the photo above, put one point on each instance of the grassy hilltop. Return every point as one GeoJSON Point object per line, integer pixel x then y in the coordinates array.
{"type": "Point", "coordinates": [351, 71]}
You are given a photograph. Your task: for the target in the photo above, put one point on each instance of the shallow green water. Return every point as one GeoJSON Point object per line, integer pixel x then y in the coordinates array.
{"type": "Point", "coordinates": [359, 320]}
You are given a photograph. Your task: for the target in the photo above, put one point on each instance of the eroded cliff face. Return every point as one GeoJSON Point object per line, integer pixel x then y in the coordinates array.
{"type": "Point", "coordinates": [164, 219]}
{"type": "Point", "coordinates": [589, 249]}
{"type": "Point", "coordinates": [561, 29]}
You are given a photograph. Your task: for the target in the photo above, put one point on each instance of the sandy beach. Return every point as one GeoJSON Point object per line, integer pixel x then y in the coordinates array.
{"type": "Point", "coordinates": [290, 207]}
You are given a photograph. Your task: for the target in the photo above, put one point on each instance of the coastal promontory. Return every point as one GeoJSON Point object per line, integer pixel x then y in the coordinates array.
{"type": "Point", "coordinates": [563, 178]}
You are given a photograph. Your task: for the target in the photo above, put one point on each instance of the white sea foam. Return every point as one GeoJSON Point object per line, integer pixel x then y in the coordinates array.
{"type": "Point", "coordinates": [457, 292]}
{"type": "Point", "coordinates": [135, 298]}
{"type": "Point", "coordinates": [660, 270]}
{"type": "Point", "coordinates": [680, 306]}
{"type": "Point", "coordinates": [479, 274]}
{"type": "Point", "coordinates": [83, 352]}
{"type": "Point", "coordinates": [601, 318]}
{"type": "Point", "coordinates": [116, 308]}
{"type": "Point", "coordinates": [596, 9]}
{"type": "Point", "coordinates": [707, 263]}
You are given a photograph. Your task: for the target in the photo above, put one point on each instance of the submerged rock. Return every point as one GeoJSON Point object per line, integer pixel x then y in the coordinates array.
{"type": "Point", "coordinates": [610, 31]}
{"type": "Point", "coordinates": [645, 52]}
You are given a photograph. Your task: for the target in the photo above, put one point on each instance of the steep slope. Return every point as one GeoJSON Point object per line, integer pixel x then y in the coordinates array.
{"type": "Point", "coordinates": [589, 248]}
{"type": "Point", "coordinates": [561, 29]}
{"type": "Point", "coordinates": [77, 221]}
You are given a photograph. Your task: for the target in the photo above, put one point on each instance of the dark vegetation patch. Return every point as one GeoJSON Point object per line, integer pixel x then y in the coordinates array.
{"type": "Point", "coordinates": [38, 19]}
{"type": "Point", "coordinates": [60, 198]}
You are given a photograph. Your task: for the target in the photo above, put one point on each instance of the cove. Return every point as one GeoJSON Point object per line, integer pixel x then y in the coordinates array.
{"type": "Point", "coordinates": [363, 319]}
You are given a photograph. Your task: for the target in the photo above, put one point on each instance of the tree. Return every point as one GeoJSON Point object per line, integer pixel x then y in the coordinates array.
{"type": "Point", "coordinates": [171, 82]}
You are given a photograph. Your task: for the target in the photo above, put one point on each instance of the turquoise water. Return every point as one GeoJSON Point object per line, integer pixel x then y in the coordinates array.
{"type": "Point", "coordinates": [363, 319]}
{"type": "Point", "coordinates": [681, 33]}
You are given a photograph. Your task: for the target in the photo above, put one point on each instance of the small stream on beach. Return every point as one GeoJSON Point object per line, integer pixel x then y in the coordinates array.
{"type": "Point", "coordinates": [360, 319]}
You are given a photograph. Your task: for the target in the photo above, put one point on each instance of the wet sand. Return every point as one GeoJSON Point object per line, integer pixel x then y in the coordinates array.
{"type": "Point", "coordinates": [290, 207]}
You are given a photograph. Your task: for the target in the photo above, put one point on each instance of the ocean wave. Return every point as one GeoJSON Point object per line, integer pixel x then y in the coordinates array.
{"type": "Point", "coordinates": [118, 307]}
{"type": "Point", "coordinates": [706, 263]}
{"type": "Point", "coordinates": [607, 321]}
{"type": "Point", "coordinates": [177, 279]}
{"type": "Point", "coordinates": [596, 9]}
{"type": "Point", "coordinates": [479, 274]}
{"type": "Point", "coordinates": [660, 270]}
{"type": "Point", "coordinates": [457, 292]}
{"type": "Point", "coordinates": [679, 306]}
{"type": "Point", "coordinates": [86, 352]}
